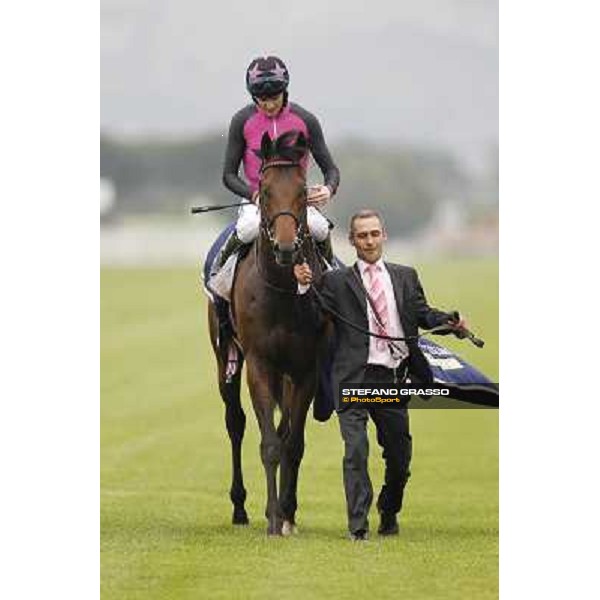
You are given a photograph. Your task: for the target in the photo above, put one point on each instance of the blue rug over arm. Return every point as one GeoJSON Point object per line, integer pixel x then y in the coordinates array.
{"type": "Point", "coordinates": [464, 381]}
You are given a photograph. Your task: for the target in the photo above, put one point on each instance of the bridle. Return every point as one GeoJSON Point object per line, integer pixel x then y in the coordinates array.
{"type": "Point", "coordinates": [266, 224]}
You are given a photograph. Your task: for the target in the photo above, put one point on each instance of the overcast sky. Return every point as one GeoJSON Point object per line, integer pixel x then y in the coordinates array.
{"type": "Point", "coordinates": [417, 71]}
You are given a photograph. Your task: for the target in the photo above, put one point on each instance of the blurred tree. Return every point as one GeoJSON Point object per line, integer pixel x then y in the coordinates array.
{"type": "Point", "coordinates": [406, 184]}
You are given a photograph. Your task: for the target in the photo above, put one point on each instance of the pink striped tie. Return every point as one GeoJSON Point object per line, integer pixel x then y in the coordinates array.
{"type": "Point", "coordinates": [378, 295]}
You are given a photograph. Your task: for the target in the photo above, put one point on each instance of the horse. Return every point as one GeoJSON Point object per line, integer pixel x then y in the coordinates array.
{"type": "Point", "coordinates": [281, 354]}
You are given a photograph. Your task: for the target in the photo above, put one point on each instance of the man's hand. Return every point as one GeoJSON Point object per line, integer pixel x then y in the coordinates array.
{"type": "Point", "coordinates": [318, 195]}
{"type": "Point", "coordinates": [458, 325]}
{"type": "Point", "coordinates": [255, 196]}
{"type": "Point", "coordinates": [303, 274]}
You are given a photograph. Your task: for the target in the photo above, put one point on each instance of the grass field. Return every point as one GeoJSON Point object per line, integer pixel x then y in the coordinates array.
{"type": "Point", "coordinates": [165, 471]}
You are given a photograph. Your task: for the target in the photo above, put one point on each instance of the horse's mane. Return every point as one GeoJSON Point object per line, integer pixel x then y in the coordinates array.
{"type": "Point", "coordinates": [290, 146]}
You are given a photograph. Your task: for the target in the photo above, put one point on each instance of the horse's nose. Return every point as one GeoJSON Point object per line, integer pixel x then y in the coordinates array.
{"type": "Point", "coordinates": [284, 247]}
{"type": "Point", "coordinates": [284, 253]}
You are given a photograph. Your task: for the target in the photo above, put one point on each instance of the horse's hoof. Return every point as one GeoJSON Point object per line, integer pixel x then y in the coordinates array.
{"type": "Point", "coordinates": [240, 517]}
{"type": "Point", "coordinates": [272, 532]}
{"type": "Point", "coordinates": [274, 528]}
{"type": "Point", "coordinates": [288, 528]}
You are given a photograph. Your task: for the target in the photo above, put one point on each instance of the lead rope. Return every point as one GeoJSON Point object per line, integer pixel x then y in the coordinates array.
{"type": "Point", "coordinates": [435, 330]}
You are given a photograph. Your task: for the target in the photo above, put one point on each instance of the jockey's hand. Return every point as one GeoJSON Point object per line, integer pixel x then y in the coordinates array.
{"type": "Point", "coordinates": [303, 274]}
{"type": "Point", "coordinates": [255, 196]}
{"type": "Point", "coordinates": [318, 195]}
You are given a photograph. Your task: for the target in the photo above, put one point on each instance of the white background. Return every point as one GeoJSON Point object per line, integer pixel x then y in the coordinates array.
{"type": "Point", "coordinates": [49, 248]}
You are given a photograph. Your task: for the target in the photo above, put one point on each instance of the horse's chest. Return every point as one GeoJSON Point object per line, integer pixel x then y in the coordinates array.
{"type": "Point", "coordinates": [278, 333]}
{"type": "Point", "coordinates": [283, 347]}
{"type": "Point", "coordinates": [282, 341]}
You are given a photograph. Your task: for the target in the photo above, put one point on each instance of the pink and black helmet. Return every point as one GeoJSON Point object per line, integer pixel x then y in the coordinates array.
{"type": "Point", "coordinates": [267, 76]}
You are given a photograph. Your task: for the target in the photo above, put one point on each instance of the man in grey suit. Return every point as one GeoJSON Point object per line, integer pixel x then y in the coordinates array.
{"type": "Point", "coordinates": [397, 307]}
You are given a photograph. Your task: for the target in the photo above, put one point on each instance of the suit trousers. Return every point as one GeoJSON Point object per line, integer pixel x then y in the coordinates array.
{"type": "Point", "coordinates": [394, 437]}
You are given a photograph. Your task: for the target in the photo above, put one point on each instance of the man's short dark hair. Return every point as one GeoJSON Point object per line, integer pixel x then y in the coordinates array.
{"type": "Point", "coordinates": [364, 213]}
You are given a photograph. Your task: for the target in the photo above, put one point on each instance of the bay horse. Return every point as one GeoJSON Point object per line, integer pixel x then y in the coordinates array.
{"type": "Point", "coordinates": [281, 353]}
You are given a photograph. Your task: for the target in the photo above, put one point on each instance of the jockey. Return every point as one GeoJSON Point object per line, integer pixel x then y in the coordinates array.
{"type": "Point", "coordinates": [267, 79]}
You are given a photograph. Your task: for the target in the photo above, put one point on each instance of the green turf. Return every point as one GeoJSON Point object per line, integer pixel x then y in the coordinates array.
{"type": "Point", "coordinates": [165, 469]}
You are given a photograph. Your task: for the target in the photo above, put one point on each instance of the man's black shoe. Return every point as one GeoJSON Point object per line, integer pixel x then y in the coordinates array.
{"type": "Point", "coordinates": [359, 536]}
{"type": "Point", "coordinates": [388, 525]}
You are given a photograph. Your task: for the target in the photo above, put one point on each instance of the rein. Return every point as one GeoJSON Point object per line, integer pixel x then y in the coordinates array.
{"type": "Point", "coordinates": [341, 317]}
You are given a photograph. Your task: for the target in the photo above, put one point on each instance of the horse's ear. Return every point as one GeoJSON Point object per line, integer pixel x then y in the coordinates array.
{"type": "Point", "coordinates": [266, 146]}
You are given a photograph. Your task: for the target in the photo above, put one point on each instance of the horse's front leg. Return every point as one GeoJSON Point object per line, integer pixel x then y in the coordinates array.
{"type": "Point", "coordinates": [298, 400]}
{"type": "Point", "coordinates": [264, 404]}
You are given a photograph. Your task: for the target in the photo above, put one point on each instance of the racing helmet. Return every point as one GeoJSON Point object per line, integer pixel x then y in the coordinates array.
{"type": "Point", "coordinates": [267, 76]}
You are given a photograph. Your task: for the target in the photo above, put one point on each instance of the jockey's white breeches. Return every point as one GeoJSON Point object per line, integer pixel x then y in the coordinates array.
{"type": "Point", "coordinates": [248, 223]}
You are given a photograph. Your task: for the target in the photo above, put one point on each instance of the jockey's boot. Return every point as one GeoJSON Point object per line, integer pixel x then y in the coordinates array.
{"type": "Point", "coordinates": [233, 245]}
{"type": "Point", "coordinates": [325, 249]}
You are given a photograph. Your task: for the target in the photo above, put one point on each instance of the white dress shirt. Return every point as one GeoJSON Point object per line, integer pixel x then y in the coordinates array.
{"type": "Point", "coordinates": [393, 328]}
